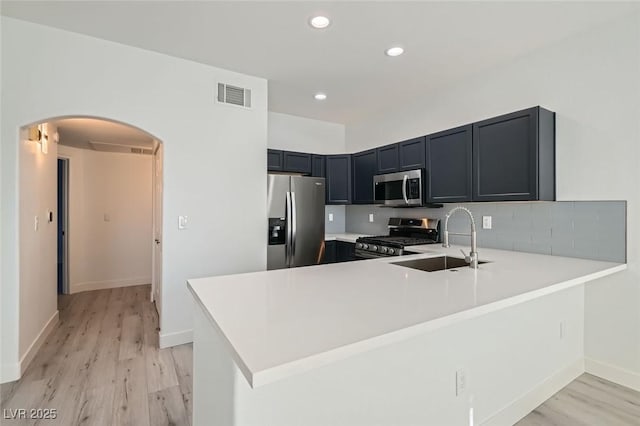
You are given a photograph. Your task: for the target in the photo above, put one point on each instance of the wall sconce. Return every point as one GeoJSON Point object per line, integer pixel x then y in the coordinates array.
{"type": "Point", "coordinates": [37, 135]}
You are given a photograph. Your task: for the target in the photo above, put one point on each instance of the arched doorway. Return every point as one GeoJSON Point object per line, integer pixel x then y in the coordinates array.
{"type": "Point", "coordinates": [103, 232]}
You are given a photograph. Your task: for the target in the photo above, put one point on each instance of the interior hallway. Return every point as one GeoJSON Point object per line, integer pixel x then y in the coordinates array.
{"type": "Point", "coordinates": [101, 366]}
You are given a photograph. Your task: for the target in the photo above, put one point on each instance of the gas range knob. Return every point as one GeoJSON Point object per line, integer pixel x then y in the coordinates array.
{"type": "Point", "coordinates": [358, 245]}
{"type": "Point", "coordinates": [365, 246]}
{"type": "Point", "coordinates": [383, 249]}
{"type": "Point", "coordinates": [374, 248]}
{"type": "Point", "coordinates": [391, 251]}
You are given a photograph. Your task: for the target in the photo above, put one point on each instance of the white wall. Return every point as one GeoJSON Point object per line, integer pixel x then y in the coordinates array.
{"type": "Point", "coordinates": [293, 133]}
{"type": "Point", "coordinates": [591, 82]}
{"type": "Point", "coordinates": [115, 252]}
{"type": "Point", "coordinates": [38, 250]}
{"type": "Point", "coordinates": [66, 74]}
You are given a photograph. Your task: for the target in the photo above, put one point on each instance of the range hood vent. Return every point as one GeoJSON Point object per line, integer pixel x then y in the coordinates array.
{"type": "Point", "coordinates": [234, 95]}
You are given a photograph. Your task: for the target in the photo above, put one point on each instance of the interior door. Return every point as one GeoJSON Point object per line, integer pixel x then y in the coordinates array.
{"type": "Point", "coordinates": [156, 274]}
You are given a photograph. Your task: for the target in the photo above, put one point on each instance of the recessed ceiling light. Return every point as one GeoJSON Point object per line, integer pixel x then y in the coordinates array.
{"type": "Point", "coordinates": [394, 51]}
{"type": "Point", "coordinates": [320, 22]}
{"type": "Point", "coordinates": [320, 96]}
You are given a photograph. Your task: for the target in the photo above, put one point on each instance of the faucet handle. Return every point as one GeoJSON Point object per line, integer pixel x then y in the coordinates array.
{"type": "Point", "coordinates": [467, 257]}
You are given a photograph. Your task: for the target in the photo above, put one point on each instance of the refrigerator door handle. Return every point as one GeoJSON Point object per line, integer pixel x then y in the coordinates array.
{"type": "Point", "coordinates": [288, 222]}
{"type": "Point", "coordinates": [293, 228]}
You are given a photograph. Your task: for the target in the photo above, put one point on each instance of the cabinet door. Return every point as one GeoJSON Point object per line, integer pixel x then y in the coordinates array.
{"type": "Point", "coordinates": [338, 179]}
{"type": "Point", "coordinates": [330, 252]}
{"type": "Point", "coordinates": [364, 168]}
{"type": "Point", "coordinates": [345, 252]}
{"type": "Point", "coordinates": [274, 160]}
{"type": "Point", "coordinates": [448, 165]}
{"type": "Point", "coordinates": [505, 157]}
{"type": "Point", "coordinates": [317, 166]}
{"type": "Point", "coordinates": [412, 154]}
{"type": "Point", "coordinates": [298, 162]}
{"type": "Point", "coordinates": [388, 159]}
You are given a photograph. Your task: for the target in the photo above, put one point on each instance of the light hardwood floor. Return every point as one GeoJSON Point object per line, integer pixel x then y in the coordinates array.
{"type": "Point", "coordinates": [588, 401]}
{"type": "Point", "coordinates": [102, 366]}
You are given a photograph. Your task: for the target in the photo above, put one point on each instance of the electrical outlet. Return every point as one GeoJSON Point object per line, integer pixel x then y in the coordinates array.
{"type": "Point", "coordinates": [36, 223]}
{"type": "Point", "coordinates": [486, 222]}
{"type": "Point", "coordinates": [330, 217]}
{"type": "Point", "coordinates": [461, 381]}
{"type": "Point", "coordinates": [370, 217]}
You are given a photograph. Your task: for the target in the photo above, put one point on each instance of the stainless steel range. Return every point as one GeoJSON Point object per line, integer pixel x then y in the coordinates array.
{"type": "Point", "coordinates": [403, 232]}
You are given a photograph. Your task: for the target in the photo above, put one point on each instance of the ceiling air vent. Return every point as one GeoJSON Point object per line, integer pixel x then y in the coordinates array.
{"type": "Point", "coordinates": [234, 95]}
{"type": "Point", "coordinates": [141, 151]}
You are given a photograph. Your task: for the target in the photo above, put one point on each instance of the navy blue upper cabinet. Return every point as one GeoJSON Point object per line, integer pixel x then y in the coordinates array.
{"type": "Point", "coordinates": [338, 179]}
{"type": "Point", "coordinates": [514, 157]}
{"type": "Point", "coordinates": [448, 166]}
{"type": "Point", "coordinates": [388, 159]}
{"type": "Point", "coordinates": [297, 162]}
{"type": "Point", "coordinates": [274, 160]}
{"type": "Point", "coordinates": [412, 154]}
{"type": "Point", "coordinates": [317, 165]}
{"type": "Point", "coordinates": [365, 166]}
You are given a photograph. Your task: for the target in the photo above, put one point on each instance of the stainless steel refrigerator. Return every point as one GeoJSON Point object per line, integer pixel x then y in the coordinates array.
{"type": "Point", "coordinates": [295, 205]}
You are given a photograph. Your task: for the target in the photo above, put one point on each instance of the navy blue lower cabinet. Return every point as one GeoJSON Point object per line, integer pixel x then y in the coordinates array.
{"type": "Point", "coordinates": [297, 162]}
{"type": "Point", "coordinates": [411, 154]}
{"type": "Point", "coordinates": [365, 166]}
{"type": "Point", "coordinates": [345, 252]}
{"type": "Point", "coordinates": [274, 160]}
{"type": "Point", "coordinates": [330, 252]}
{"type": "Point", "coordinates": [514, 157]}
{"type": "Point", "coordinates": [338, 179]}
{"type": "Point", "coordinates": [448, 165]}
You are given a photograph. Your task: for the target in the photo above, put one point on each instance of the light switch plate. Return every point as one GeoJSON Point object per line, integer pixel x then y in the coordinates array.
{"type": "Point", "coordinates": [370, 217]}
{"type": "Point", "coordinates": [486, 222]}
{"type": "Point", "coordinates": [330, 217]}
{"type": "Point", "coordinates": [182, 222]}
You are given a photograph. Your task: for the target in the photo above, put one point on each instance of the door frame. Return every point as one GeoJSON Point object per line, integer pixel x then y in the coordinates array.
{"type": "Point", "coordinates": [65, 220]}
{"type": "Point", "coordinates": [156, 238]}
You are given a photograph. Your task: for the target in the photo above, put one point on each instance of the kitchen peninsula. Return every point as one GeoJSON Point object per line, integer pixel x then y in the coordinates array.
{"type": "Point", "coordinates": [376, 343]}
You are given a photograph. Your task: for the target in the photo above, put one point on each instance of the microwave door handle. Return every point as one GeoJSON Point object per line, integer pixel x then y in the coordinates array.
{"type": "Point", "coordinates": [404, 189]}
{"type": "Point", "coordinates": [287, 241]}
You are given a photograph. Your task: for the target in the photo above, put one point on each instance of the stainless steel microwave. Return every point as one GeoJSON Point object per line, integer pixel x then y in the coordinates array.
{"type": "Point", "coordinates": [398, 189]}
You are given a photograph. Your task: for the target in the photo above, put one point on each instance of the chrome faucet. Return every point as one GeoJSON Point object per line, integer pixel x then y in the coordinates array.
{"type": "Point", "coordinates": [472, 257]}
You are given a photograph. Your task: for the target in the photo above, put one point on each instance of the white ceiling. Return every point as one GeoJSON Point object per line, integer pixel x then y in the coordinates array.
{"type": "Point", "coordinates": [79, 132]}
{"type": "Point", "coordinates": [444, 42]}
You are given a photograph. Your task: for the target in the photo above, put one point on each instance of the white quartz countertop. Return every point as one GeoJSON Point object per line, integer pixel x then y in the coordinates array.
{"type": "Point", "coordinates": [345, 236]}
{"type": "Point", "coordinates": [284, 322]}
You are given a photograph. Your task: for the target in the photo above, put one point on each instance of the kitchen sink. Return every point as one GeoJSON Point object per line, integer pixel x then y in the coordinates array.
{"type": "Point", "coordinates": [435, 263]}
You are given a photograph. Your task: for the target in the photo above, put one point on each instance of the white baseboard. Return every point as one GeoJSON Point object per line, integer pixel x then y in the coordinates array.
{"type": "Point", "coordinates": [9, 372]}
{"type": "Point", "coordinates": [174, 339]}
{"type": "Point", "coordinates": [612, 373]}
{"type": "Point", "coordinates": [522, 406]}
{"type": "Point", "coordinates": [37, 343]}
{"type": "Point", "coordinates": [101, 285]}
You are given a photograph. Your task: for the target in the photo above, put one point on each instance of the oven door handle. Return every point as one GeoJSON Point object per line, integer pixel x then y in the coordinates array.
{"type": "Point", "coordinates": [404, 188]}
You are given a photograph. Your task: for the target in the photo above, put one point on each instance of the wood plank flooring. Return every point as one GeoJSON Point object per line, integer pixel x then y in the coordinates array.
{"type": "Point", "coordinates": [588, 401]}
{"type": "Point", "coordinates": [101, 366]}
